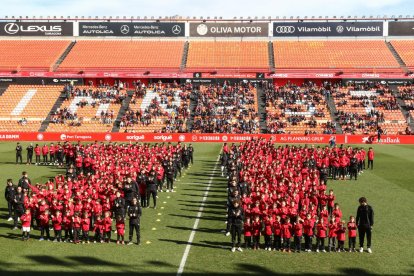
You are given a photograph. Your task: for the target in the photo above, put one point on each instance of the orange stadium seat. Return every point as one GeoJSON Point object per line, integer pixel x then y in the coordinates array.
{"type": "Point", "coordinates": [355, 56]}
{"type": "Point", "coordinates": [37, 55]}
{"type": "Point", "coordinates": [228, 55]}
{"type": "Point", "coordinates": [30, 102]}
{"type": "Point", "coordinates": [405, 49]}
{"type": "Point", "coordinates": [123, 55]}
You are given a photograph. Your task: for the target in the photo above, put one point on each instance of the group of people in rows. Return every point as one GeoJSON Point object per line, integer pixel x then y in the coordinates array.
{"type": "Point", "coordinates": [104, 184]}
{"type": "Point", "coordinates": [280, 193]}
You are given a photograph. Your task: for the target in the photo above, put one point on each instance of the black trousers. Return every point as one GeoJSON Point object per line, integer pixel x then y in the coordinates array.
{"type": "Point", "coordinates": [154, 197]}
{"type": "Point", "coordinates": [10, 208]}
{"type": "Point", "coordinates": [45, 158]}
{"type": "Point", "coordinates": [191, 159]}
{"type": "Point", "coordinates": [19, 157]}
{"type": "Point", "coordinates": [298, 241]}
{"type": "Point", "coordinates": [76, 234]}
{"type": "Point", "coordinates": [277, 242]}
{"type": "Point", "coordinates": [353, 173]}
{"type": "Point", "coordinates": [68, 234]}
{"type": "Point", "coordinates": [108, 236]}
{"type": "Point", "coordinates": [85, 236]}
{"type": "Point", "coordinates": [52, 158]}
{"type": "Point", "coordinates": [170, 183]}
{"type": "Point", "coordinates": [44, 230]}
{"type": "Point", "coordinates": [362, 230]}
{"type": "Point", "coordinates": [286, 243]}
{"type": "Point", "coordinates": [341, 245]}
{"type": "Point", "coordinates": [268, 241]}
{"type": "Point", "coordinates": [352, 243]}
{"type": "Point", "coordinates": [58, 235]}
{"type": "Point", "coordinates": [370, 164]}
{"type": "Point", "coordinates": [320, 243]}
{"type": "Point", "coordinates": [247, 241]}
{"type": "Point", "coordinates": [131, 232]}
{"type": "Point", "coordinates": [331, 243]}
{"type": "Point", "coordinates": [37, 159]}
{"type": "Point", "coordinates": [308, 242]}
{"type": "Point", "coordinates": [29, 158]}
{"type": "Point", "coordinates": [236, 231]}
{"type": "Point", "coordinates": [18, 212]}
{"type": "Point", "coordinates": [256, 241]}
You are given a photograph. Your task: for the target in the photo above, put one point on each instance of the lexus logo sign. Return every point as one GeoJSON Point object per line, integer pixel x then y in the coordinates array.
{"type": "Point", "coordinates": [176, 29]}
{"type": "Point", "coordinates": [285, 29]}
{"type": "Point", "coordinates": [11, 28]}
{"type": "Point", "coordinates": [124, 29]}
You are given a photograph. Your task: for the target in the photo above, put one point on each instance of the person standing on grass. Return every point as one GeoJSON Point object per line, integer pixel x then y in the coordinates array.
{"type": "Point", "coordinates": [19, 150]}
{"type": "Point", "coordinates": [18, 205]}
{"type": "Point", "coordinates": [9, 192]}
{"type": "Point", "coordinates": [30, 150]}
{"type": "Point", "coordinates": [134, 213]}
{"type": "Point", "coordinates": [370, 158]}
{"type": "Point", "coordinates": [364, 221]}
{"type": "Point", "coordinates": [37, 153]}
{"type": "Point", "coordinates": [236, 217]}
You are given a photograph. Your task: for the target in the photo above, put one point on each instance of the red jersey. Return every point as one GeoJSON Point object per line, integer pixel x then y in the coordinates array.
{"type": "Point", "coordinates": [340, 233]}
{"type": "Point", "coordinates": [256, 227]}
{"type": "Point", "coordinates": [277, 228]}
{"type": "Point", "coordinates": [120, 227]}
{"type": "Point", "coordinates": [26, 220]}
{"type": "Point", "coordinates": [85, 223]}
{"type": "Point", "coordinates": [247, 229]}
{"type": "Point", "coordinates": [298, 229]}
{"type": "Point", "coordinates": [352, 229]}
{"type": "Point", "coordinates": [76, 222]}
{"type": "Point", "coordinates": [57, 222]}
{"type": "Point", "coordinates": [286, 230]}
{"type": "Point", "coordinates": [268, 227]}
{"type": "Point", "coordinates": [107, 222]}
{"type": "Point", "coordinates": [321, 230]}
{"type": "Point", "coordinates": [308, 225]}
{"type": "Point", "coordinates": [332, 230]}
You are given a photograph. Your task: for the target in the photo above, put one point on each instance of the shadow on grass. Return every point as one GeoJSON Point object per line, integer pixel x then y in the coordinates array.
{"type": "Point", "coordinates": [201, 229]}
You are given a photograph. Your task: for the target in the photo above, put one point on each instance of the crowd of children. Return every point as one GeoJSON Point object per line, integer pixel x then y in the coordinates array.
{"type": "Point", "coordinates": [280, 193]}
{"type": "Point", "coordinates": [103, 182]}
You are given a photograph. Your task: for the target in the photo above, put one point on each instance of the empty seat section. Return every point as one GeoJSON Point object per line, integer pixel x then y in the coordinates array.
{"type": "Point", "coordinates": [38, 55]}
{"type": "Point", "coordinates": [405, 48]}
{"type": "Point", "coordinates": [24, 107]}
{"type": "Point", "coordinates": [349, 55]}
{"type": "Point", "coordinates": [228, 55]}
{"type": "Point", "coordinates": [123, 55]}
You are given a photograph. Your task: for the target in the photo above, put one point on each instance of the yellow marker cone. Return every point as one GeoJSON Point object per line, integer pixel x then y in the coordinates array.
{"type": "Point", "coordinates": [154, 229]}
{"type": "Point", "coordinates": [159, 214]}
{"type": "Point", "coordinates": [168, 197]}
{"type": "Point", "coordinates": [148, 242]}
{"type": "Point", "coordinates": [165, 202]}
{"type": "Point", "coordinates": [162, 207]}
{"type": "Point", "coordinates": [158, 220]}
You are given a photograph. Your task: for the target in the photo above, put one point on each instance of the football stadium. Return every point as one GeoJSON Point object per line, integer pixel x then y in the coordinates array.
{"type": "Point", "coordinates": [206, 145]}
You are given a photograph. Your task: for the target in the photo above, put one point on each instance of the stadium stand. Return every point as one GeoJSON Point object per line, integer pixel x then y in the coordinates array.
{"type": "Point", "coordinates": [226, 109]}
{"type": "Point", "coordinates": [405, 48]}
{"type": "Point", "coordinates": [87, 109]}
{"type": "Point", "coordinates": [120, 55]}
{"type": "Point", "coordinates": [349, 56]}
{"type": "Point", "coordinates": [24, 107]}
{"type": "Point", "coordinates": [208, 55]}
{"type": "Point", "coordinates": [295, 109]}
{"type": "Point", "coordinates": [35, 55]}
{"type": "Point", "coordinates": [407, 95]}
{"type": "Point", "coordinates": [362, 110]}
{"type": "Point", "coordinates": [158, 108]}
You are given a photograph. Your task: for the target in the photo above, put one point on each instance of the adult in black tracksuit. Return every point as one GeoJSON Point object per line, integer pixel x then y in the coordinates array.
{"type": "Point", "coordinates": [9, 195]}
{"type": "Point", "coordinates": [134, 213]}
{"type": "Point", "coordinates": [191, 153]}
{"type": "Point", "coordinates": [169, 172]}
{"type": "Point", "coordinates": [353, 168]}
{"type": "Point", "coordinates": [236, 217]}
{"type": "Point", "coordinates": [30, 150]}
{"type": "Point", "coordinates": [19, 150]}
{"type": "Point", "coordinates": [152, 189]}
{"type": "Point", "coordinates": [130, 192]}
{"type": "Point", "coordinates": [18, 205]}
{"type": "Point", "coordinates": [364, 221]}
{"type": "Point", "coordinates": [24, 181]}
{"type": "Point", "coordinates": [178, 165]}
{"type": "Point", "coordinates": [119, 205]}
{"type": "Point", "coordinates": [185, 157]}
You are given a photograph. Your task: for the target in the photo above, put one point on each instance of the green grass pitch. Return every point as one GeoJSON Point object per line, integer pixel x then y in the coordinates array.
{"type": "Point", "coordinates": [166, 230]}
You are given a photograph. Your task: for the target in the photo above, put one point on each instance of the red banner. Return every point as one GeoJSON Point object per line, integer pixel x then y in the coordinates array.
{"type": "Point", "coordinates": [193, 137]}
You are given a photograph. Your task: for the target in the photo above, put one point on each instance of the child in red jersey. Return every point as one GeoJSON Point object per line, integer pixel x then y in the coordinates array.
{"type": "Point", "coordinates": [26, 220]}
{"type": "Point", "coordinates": [298, 232]}
{"type": "Point", "coordinates": [120, 229]}
{"type": "Point", "coordinates": [330, 198]}
{"type": "Point", "coordinates": [308, 225]}
{"type": "Point", "coordinates": [98, 228]}
{"type": "Point", "coordinates": [267, 231]}
{"type": "Point", "coordinates": [107, 224]}
{"type": "Point", "coordinates": [85, 225]}
{"type": "Point", "coordinates": [67, 224]}
{"type": "Point", "coordinates": [76, 222]}
{"type": "Point", "coordinates": [340, 234]}
{"type": "Point", "coordinates": [57, 226]}
{"type": "Point", "coordinates": [44, 225]}
{"type": "Point", "coordinates": [352, 233]}
{"type": "Point", "coordinates": [286, 234]}
{"type": "Point", "coordinates": [247, 233]}
{"type": "Point", "coordinates": [320, 235]}
{"type": "Point", "coordinates": [332, 227]}
{"type": "Point", "coordinates": [337, 213]}
{"type": "Point", "coordinates": [256, 227]}
{"type": "Point", "coordinates": [277, 234]}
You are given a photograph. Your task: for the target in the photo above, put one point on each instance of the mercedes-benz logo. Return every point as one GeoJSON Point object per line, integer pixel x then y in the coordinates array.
{"type": "Point", "coordinates": [340, 29]}
{"type": "Point", "coordinates": [285, 29]}
{"type": "Point", "coordinates": [176, 29]}
{"type": "Point", "coordinates": [11, 28]}
{"type": "Point", "coordinates": [124, 29]}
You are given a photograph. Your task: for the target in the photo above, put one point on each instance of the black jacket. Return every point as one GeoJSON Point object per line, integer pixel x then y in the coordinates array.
{"type": "Point", "coordinates": [9, 193]}
{"type": "Point", "coordinates": [236, 216]}
{"type": "Point", "coordinates": [18, 201]}
{"type": "Point", "coordinates": [134, 214]}
{"type": "Point", "coordinates": [23, 184]}
{"type": "Point", "coordinates": [365, 216]}
{"type": "Point", "coordinates": [130, 190]}
{"type": "Point", "coordinates": [119, 204]}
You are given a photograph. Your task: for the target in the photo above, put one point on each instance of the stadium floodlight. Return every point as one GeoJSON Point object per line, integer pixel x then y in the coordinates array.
{"type": "Point", "coordinates": [221, 17]}
{"type": "Point", "coordinates": [269, 17]}
{"type": "Point", "coordinates": [241, 17]}
{"type": "Point", "coordinates": [334, 16]}
{"type": "Point", "coordinates": [215, 17]}
{"type": "Point", "coordinates": [54, 17]}
{"type": "Point", "coordinates": [393, 16]}
{"type": "Point", "coordinates": [291, 17]}
{"type": "Point", "coordinates": [96, 17]}
{"type": "Point", "coordinates": [277, 17]}
{"type": "Point", "coordinates": [248, 17]}
{"type": "Point", "coordinates": [194, 17]}
{"type": "Point", "coordinates": [76, 17]}
{"type": "Point", "coordinates": [208, 17]}
{"type": "Point", "coordinates": [363, 17]}
{"type": "Point", "coordinates": [342, 17]}
{"type": "Point", "coordinates": [349, 17]}
{"type": "Point", "coordinates": [370, 17]}
{"type": "Point", "coordinates": [89, 17]}
{"type": "Point", "coordinates": [124, 17]}
{"type": "Point", "coordinates": [313, 17]}
{"type": "Point", "coordinates": [306, 17]}
{"type": "Point", "coordinates": [6, 17]}
{"type": "Point", "coordinates": [235, 17]}
{"type": "Point", "coordinates": [326, 17]}
{"type": "Point", "coordinates": [263, 17]}
{"type": "Point", "coordinates": [400, 16]}
{"type": "Point", "coordinates": [104, 17]}
{"type": "Point", "coordinates": [407, 16]}
{"type": "Point", "coordinates": [255, 17]}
